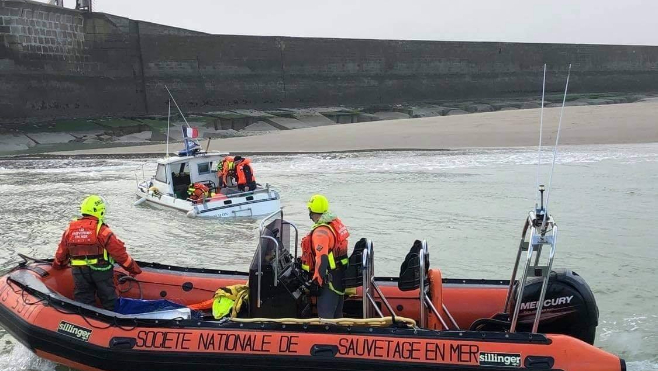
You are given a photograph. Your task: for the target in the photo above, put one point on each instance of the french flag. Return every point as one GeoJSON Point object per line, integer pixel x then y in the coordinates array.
{"type": "Point", "coordinates": [190, 132]}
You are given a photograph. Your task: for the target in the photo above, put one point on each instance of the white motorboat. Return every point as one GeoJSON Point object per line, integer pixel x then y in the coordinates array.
{"type": "Point", "coordinates": [174, 175]}
{"type": "Point", "coordinates": [191, 166]}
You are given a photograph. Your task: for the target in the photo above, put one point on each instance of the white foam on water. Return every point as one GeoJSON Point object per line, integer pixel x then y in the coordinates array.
{"type": "Point", "coordinates": [642, 366]}
{"type": "Point", "coordinates": [434, 162]}
{"type": "Point", "coordinates": [22, 359]}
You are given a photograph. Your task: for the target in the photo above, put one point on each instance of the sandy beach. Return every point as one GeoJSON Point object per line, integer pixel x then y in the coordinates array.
{"type": "Point", "coordinates": [606, 124]}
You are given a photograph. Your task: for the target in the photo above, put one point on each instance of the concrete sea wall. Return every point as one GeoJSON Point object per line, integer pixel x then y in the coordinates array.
{"type": "Point", "coordinates": [57, 63]}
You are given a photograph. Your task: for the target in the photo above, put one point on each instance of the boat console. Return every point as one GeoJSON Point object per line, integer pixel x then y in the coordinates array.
{"type": "Point", "coordinates": [276, 288]}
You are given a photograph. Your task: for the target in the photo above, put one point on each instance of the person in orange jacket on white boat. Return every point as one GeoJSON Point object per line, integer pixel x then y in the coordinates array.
{"type": "Point", "coordinates": [91, 248]}
{"type": "Point", "coordinates": [245, 173]}
{"type": "Point", "coordinates": [324, 256]}
{"type": "Point", "coordinates": [225, 170]}
{"type": "Point", "coordinates": [198, 191]}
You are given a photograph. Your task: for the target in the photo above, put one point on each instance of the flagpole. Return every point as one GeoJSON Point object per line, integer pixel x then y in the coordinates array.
{"type": "Point", "coordinates": [186, 140]}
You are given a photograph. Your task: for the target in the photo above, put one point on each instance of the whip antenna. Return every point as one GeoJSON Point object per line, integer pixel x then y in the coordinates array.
{"type": "Point", "coordinates": [541, 125]}
{"type": "Point", "coordinates": [557, 139]}
{"type": "Point", "coordinates": [181, 112]}
{"type": "Point", "coordinates": [168, 117]}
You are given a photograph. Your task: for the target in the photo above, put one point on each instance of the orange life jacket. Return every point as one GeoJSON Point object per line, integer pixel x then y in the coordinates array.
{"type": "Point", "coordinates": [227, 164]}
{"type": "Point", "coordinates": [338, 252]}
{"type": "Point", "coordinates": [197, 190]}
{"type": "Point", "coordinates": [226, 169]}
{"type": "Point", "coordinates": [239, 171]}
{"type": "Point", "coordinates": [82, 240]}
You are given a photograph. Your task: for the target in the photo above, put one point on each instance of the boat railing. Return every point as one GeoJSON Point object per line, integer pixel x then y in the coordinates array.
{"type": "Point", "coordinates": [268, 218]}
{"type": "Point", "coordinates": [542, 231]}
{"type": "Point", "coordinates": [425, 300]}
{"type": "Point", "coordinates": [205, 199]}
{"type": "Point", "coordinates": [370, 287]}
{"type": "Point", "coordinates": [247, 193]}
{"type": "Point", "coordinates": [296, 235]}
{"type": "Point", "coordinates": [143, 173]}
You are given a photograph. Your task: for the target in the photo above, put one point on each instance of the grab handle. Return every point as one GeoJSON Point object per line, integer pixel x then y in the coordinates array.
{"type": "Point", "coordinates": [324, 350]}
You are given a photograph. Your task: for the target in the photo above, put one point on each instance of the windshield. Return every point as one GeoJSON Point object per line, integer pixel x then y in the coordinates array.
{"type": "Point", "coordinates": [278, 230]}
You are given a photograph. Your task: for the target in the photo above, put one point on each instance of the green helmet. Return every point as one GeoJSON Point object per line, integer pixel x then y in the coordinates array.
{"type": "Point", "coordinates": [318, 204]}
{"type": "Point", "coordinates": [93, 205]}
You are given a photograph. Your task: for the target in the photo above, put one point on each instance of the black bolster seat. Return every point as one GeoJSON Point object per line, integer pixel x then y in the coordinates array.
{"type": "Point", "coordinates": [354, 271]}
{"type": "Point", "coordinates": [410, 269]}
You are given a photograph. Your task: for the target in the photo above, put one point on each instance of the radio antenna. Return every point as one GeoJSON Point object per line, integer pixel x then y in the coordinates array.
{"type": "Point", "coordinates": [541, 126]}
{"type": "Point", "coordinates": [168, 118]}
{"type": "Point", "coordinates": [557, 139]}
{"type": "Point", "coordinates": [179, 111]}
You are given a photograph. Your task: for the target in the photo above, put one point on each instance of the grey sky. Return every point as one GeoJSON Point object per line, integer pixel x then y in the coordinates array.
{"type": "Point", "coordinates": [556, 21]}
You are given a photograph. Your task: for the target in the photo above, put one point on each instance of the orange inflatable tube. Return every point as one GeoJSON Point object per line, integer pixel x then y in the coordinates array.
{"type": "Point", "coordinates": [35, 307]}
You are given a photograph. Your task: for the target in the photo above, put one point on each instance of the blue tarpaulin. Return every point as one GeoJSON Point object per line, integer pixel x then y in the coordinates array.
{"type": "Point", "coordinates": [136, 306]}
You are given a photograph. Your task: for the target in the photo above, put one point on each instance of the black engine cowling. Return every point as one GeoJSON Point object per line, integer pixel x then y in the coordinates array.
{"type": "Point", "coordinates": [569, 306]}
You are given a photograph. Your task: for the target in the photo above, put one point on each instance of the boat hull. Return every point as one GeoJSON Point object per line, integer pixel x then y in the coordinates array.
{"type": "Point", "coordinates": [56, 328]}
{"type": "Point", "coordinates": [167, 349]}
{"type": "Point", "coordinates": [249, 204]}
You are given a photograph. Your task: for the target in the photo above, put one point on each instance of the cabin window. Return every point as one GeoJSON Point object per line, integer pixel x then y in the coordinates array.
{"type": "Point", "coordinates": [203, 168]}
{"type": "Point", "coordinates": [184, 169]}
{"type": "Point", "coordinates": [161, 174]}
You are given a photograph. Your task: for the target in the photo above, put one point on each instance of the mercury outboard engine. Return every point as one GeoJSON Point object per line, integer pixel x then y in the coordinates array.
{"type": "Point", "coordinates": [569, 306]}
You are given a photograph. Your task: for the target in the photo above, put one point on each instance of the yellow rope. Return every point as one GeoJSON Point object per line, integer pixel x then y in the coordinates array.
{"type": "Point", "coordinates": [367, 322]}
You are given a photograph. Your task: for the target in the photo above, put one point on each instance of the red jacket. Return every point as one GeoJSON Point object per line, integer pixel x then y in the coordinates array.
{"type": "Point", "coordinates": [81, 240]}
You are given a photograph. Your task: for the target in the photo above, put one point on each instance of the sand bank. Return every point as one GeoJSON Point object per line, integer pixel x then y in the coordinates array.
{"type": "Point", "coordinates": [607, 124]}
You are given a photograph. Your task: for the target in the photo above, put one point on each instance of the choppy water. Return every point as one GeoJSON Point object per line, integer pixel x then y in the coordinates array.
{"type": "Point", "coordinates": [469, 205]}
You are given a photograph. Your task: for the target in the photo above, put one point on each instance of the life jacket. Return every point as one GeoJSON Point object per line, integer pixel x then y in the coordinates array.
{"type": "Point", "coordinates": [196, 191]}
{"type": "Point", "coordinates": [226, 169]}
{"type": "Point", "coordinates": [245, 176]}
{"type": "Point", "coordinates": [226, 165]}
{"type": "Point", "coordinates": [229, 165]}
{"type": "Point", "coordinates": [229, 300]}
{"type": "Point", "coordinates": [337, 253]}
{"type": "Point", "coordinates": [83, 245]}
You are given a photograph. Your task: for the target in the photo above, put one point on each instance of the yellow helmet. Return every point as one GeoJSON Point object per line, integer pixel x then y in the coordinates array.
{"type": "Point", "coordinates": [93, 205]}
{"type": "Point", "coordinates": [318, 204]}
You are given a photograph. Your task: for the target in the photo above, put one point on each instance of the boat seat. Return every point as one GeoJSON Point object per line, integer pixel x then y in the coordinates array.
{"type": "Point", "coordinates": [410, 269]}
{"type": "Point", "coordinates": [354, 271]}
{"type": "Point", "coordinates": [432, 298]}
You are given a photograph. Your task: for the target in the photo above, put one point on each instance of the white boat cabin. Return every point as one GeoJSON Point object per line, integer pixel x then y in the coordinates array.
{"type": "Point", "coordinates": [174, 175]}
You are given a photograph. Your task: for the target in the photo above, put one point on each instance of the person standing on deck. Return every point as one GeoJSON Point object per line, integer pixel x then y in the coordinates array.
{"type": "Point", "coordinates": [91, 249]}
{"type": "Point", "coordinates": [225, 169]}
{"type": "Point", "coordinates": [324, 256]}
{"type": "Point", "coordinates": [245, 174]}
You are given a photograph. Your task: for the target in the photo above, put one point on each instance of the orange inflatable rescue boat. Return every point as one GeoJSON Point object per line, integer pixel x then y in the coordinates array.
{"type": "Point", "coordinates": [544, 320]}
